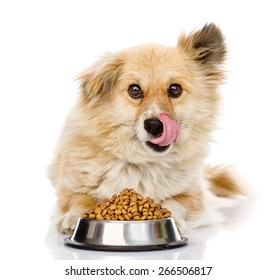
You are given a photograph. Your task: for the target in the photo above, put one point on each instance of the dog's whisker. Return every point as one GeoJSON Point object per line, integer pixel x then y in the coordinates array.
{"type": "Point", "coordinates": [127, 124]}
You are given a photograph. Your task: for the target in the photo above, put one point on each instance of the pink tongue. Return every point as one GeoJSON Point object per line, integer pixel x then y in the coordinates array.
{"type": "Point", "coordinates": [170, 131]}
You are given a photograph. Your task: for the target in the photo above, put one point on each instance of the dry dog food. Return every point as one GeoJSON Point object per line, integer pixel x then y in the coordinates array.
{"type": "Point", "coordinates": [128, 205]}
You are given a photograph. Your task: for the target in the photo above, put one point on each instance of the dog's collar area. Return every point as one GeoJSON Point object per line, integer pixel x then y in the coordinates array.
{"type": "Point", "coordinates": [156, 147]}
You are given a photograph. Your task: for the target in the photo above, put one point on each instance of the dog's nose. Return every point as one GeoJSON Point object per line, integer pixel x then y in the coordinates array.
{"type": "Point", "coordinates": [153, 126]}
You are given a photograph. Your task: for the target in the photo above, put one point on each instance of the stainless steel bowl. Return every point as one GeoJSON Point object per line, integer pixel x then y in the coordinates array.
{"type": "Point", "coordinates": [126, 235]}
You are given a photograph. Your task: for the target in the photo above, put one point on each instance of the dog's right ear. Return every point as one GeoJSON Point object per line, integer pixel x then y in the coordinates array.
{"type": "Point", "coordinates": [99, 79]}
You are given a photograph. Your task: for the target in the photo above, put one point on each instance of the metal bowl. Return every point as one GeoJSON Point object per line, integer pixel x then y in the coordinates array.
{"type": "Point", "coordinates": [126, 235]}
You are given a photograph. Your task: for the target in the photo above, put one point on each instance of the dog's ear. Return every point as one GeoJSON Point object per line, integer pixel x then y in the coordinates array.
{"type": "Point", "coordinates": [206, 46]}
{"type": "Point", "coordinates": [99, 79]}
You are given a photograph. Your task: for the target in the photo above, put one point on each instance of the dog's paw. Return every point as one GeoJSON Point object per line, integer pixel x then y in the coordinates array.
{"type": "Point", "coordinates": [66, 222]}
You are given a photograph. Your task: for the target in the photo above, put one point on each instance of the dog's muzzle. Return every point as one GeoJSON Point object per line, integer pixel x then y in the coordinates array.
{"type": "Point", "coordinates": [164, 131]}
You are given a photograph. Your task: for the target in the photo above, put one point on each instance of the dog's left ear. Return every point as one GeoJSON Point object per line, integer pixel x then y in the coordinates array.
{"type": "Point", "coordinates": [206, 46]}
{"type": "Point", "coordinates": [99, 79]}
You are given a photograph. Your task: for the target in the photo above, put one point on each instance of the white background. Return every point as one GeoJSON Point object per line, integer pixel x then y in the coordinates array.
{"type": "Point", "coordinates": [45, 44]}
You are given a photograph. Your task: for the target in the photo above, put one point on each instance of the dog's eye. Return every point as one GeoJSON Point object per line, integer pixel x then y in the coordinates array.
{"type": "Point", "coordinates": [175, 90]}
{"type": "Point", "coordinates": [135, 91]}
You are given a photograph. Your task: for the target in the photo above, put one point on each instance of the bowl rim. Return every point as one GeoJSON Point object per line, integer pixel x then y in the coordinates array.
{"type": "Point", "coordinates": [123, 221]}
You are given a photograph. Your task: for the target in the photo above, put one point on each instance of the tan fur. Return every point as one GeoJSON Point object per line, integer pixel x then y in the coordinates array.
{"type": "Point", "coordinates": [222, 183]}
{"type": "Point", "coordinates": [69, 199]}
{"type": "Point", "coordinates": [194, 204]}
{"type": "Point", "coordinates": [103, 144]}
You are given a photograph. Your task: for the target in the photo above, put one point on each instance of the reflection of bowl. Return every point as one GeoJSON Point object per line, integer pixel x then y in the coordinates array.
{"type": "Point", "coordinates": [126, 235]}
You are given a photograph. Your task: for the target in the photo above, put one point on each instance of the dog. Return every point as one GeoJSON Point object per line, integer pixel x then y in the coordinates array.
{"type": "Point", "coordinates": [143, 120]}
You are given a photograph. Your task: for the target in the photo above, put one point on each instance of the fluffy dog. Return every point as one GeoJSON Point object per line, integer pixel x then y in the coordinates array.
{"type": "Point", "coordinates": [143, 120]}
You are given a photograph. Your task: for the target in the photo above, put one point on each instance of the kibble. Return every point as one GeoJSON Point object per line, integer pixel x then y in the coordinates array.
{"type": "Point", "coordinates": [126, 206]}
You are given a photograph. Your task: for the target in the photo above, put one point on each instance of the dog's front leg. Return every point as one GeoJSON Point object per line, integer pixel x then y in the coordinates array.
{"type": "Point", "coordinates": [187, 210]}
{"type": "Point", "coordinates": [70, 207]}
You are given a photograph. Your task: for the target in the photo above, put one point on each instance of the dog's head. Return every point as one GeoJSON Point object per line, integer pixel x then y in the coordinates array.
{"type": "Point", "coordinates": [152, 100]}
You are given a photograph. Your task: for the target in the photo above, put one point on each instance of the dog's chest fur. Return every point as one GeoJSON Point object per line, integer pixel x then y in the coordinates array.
{"type": "Point", "coordinates": [159, 180]}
